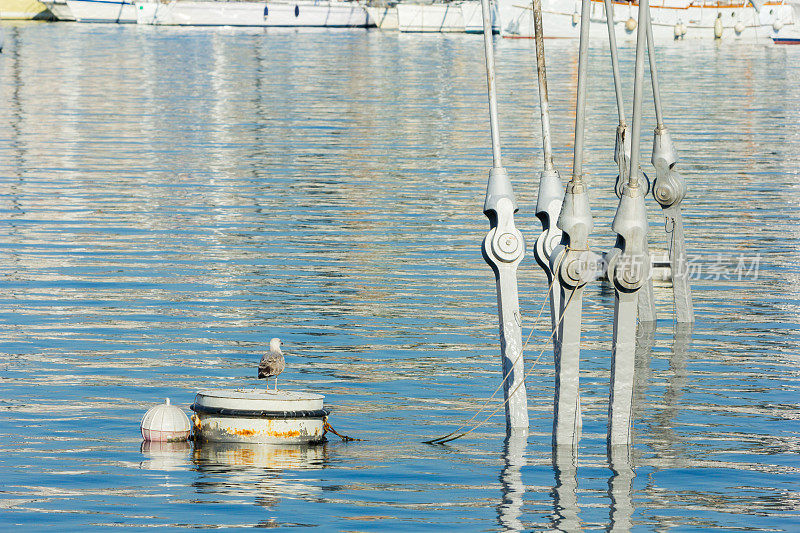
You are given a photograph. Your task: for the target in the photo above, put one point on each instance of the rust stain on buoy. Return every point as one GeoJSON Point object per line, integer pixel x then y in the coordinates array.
{"type": "Point", "coordinates": [258, 416]}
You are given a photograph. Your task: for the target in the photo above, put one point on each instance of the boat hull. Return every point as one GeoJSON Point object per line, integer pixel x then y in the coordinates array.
{"type": "Point", "coordinates": [384, 18]}
{"type": "Point", "coordinates": [473, 17]}
{"type": "Point", "coordinates": [260, 14]}
{"type": "Point", "coordinates": [59, 9]}
{"type": "Point", "coordinates": [430, 18]}
{"type": "Point", "coordinates": [102, 11]}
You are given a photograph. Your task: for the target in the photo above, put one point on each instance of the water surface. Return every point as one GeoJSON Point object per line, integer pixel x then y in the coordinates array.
{"type": "Point", "coordinates": [173, 198]}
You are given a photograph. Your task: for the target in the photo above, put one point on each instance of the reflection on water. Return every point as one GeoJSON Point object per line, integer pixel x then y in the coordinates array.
{"type": "Point", "coordinates": [165, 455]}
{"type": "Point", "coordinates": [565, 489]}
{"type": "Point", "coordinates": [263, 456]}
{"type": "Point", "coordinates": [172, 198]}
{"type": "Point", "coordinates": [509, 512]}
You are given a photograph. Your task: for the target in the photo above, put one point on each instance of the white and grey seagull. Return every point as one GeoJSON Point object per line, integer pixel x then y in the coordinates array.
{"type": "Point", "coordinates": [273, 362]}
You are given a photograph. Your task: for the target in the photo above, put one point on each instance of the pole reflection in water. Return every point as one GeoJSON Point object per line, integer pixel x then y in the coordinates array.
{"type": "Point", "coordinates": [619, 487]}
{"type": "Point", "coordinates": [510, 509]}
{"type": "Point", "coordinates": [565, 491]}
{"type": "Point", "coordinates": [662, 435]}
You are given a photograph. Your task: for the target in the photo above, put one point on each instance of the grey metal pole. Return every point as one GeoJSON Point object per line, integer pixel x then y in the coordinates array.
{"type": "Point", "coordinates": [622, 146]}
{"type": "Point", "coordinates": [628, 264]}
{"type": "Point", "coordinates": [580, 105]}
{"type": "Point", "coordinates": [541, 71]}
{"type": "Point", "coordinates": [669, 190]}
{"type": "Point", "coordinates": [638, 83]}
{"type": "Point", "coordinates": [548, 204]}
{"type": "Point", "coordinates": [574, 265]}
{"type": "Point", "coordinates": [612, 43]}
{"type": "Point", "coordinates": [503, 249]}
{"type": "Point", "coordinates": [488, 47]}
{"type": "Point", "coordinates": [651, 53]}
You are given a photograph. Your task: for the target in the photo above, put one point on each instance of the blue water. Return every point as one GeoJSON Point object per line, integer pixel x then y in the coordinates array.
{"type": "Point", "coordinates": [173, 198]}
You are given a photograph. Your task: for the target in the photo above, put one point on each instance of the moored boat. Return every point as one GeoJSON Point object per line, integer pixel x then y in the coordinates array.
{"type": "Point", "coordinates": [303, 13]}
{"type": "Point", "coordinates": [672, 19]}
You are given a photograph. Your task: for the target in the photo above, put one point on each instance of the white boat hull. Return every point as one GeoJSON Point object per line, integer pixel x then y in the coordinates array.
{"type": "Point", "coordinates": [384, 18]}
{"type": "Point", "coordinates": [59, 9]}
{"type": "Point", "coordinates": [473, 17]}
{"type": "Point", "coordinates": [561, 20]}
{"type": "Point", "coordinates": [223, 13]}
{"type": "Point", "coordinates": [102, 11]}
{"type": "Point", "coordinates": [430, 18]}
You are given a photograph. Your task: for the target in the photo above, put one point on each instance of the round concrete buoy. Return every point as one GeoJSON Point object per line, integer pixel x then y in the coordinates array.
{"type": "Point", "coordinates": [259, 416]}
{"type": "Point", "coordinates": [165, 423]}
{"type": "Point", "coordinates": [631, 24]}
{"type": "Point", "coordinates": [738, 27]}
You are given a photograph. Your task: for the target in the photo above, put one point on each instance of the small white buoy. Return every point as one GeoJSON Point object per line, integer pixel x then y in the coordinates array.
{"type": "Point", "coordinates": [576, 17]}
{"type": "Point", "coordinates": [630, 24]}
{"type": "Point", "coordinates": [777, 25]}
{"type": "Point", "coordinates": [165, 423]}
{"type": "Point", "coordinates": [718, 27]}
{"type": "Point", "coordinates": [259, 416]}
{"type": "Point", "coordinates": [677, 30]}
{"type": "Point", "coordinates": [738, 27]}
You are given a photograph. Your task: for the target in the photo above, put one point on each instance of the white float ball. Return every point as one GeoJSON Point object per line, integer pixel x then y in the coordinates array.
{"type": "Point", "coordinates": [165, 423]}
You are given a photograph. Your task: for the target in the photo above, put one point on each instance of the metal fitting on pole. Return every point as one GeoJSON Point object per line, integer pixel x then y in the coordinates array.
{"type": "Point", "coordinates": [669, 191]}
{"type": "Point", "coordinates": [548, 207]}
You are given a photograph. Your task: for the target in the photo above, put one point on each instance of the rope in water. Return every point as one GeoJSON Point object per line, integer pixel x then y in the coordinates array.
{"type": "Point", "coordinates": [452, 436]}
{"type": "Point", "coordinates": [505, 378]}
{"type": "Point", "coordinates": [446, 438]}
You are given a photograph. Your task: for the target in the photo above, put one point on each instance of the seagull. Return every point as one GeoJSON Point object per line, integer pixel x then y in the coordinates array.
{"type": "Point", "coordinates": [272, 363]}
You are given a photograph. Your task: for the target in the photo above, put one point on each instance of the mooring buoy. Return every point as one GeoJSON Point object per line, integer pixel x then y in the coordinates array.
{"type": "Point", "coordinates": [259, 416]}
{"type": "Point", "coordinates": [165, 423]}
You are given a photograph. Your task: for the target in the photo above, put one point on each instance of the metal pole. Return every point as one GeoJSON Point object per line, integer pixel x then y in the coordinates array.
{"type": "Point", "coordinates": [580, 107]}
{"type": "Point", "coordinates": [573, 264]}
{"type": "Point", "coordinates": [628, 264]}
{"type": "Point", "coordinates": [612, 43]}
{"type": "Point", "coordinates": [638, 83]}
{"type": "Point", "coordinates": [488, 47]}
{"type": "Point", "coordinates": [541, 71]}
{"type": "Point", "coordinates": [669, 190]}
{"type": "Point", "coordinates": [548, 204]}
{"type": "Point", "coordinates": [651, 52]}
{"type": "Point", "coordinates": [622, 146]}
{"type": "Point", "coordinates": [503, 249]}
